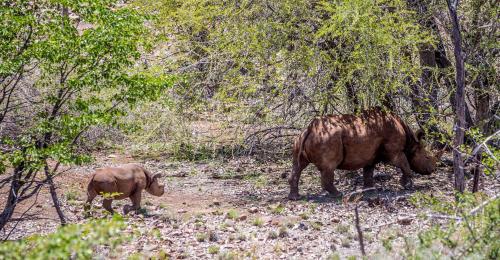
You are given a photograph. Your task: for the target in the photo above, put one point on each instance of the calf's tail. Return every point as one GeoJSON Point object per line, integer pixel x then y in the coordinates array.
{"type": "Point", "coordinates": [91, 192]}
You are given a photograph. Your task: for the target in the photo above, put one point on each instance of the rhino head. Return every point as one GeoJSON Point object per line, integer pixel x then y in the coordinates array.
{"type": "Point", "coordinates": [421, 160]}
{"type": "Point", "coordinates": [155, 188]}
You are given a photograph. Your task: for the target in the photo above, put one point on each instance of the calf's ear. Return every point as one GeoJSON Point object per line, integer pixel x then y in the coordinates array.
{"type": "Point", "coordinates": [157, 176]}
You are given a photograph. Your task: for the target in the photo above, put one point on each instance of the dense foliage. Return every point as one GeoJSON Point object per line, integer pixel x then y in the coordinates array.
{"type": "Point", "coordinates": [277, 58]}
{"type": "Point", "coordinates": [76, 241]}
{"type": "Point", "coordinates": [473, 232]}
{"type": "Point", "coordinates": [66, 67]}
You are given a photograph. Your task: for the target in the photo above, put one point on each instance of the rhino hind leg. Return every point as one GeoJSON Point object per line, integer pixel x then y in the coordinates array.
{"type": "Point", "coordinates": [297, 169]}
{"type": "Point", "coordinates": [327, 178]}
{"type": "Point", "coordinates": [91, 194]}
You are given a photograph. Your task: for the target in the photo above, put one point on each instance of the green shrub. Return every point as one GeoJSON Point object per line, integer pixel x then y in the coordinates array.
{"type": "Point", "coordinates": [76, 241]}
{"type": "Point", "coordinates": [475, 234]}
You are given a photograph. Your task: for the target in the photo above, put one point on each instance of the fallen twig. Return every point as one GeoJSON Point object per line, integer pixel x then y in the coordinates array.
{"type": "Point", "coordinates": [482, 205]}
{"type": "Point", "coordinates": [348, 196]}
{"type": "Point", "coordinates": [360, 233]}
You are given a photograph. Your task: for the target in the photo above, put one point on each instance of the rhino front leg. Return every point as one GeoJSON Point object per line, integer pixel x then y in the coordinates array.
{"type": "Point", "coordinates": [327, 178]}
{"type": "Point", "coordinates": [368, 176]}
{"type": "Point", "coordinates": [400, 161]}
{"type": "Point", "coordinates": [136, 202]}
{"type": "Point", "coordinates": [106, 203]}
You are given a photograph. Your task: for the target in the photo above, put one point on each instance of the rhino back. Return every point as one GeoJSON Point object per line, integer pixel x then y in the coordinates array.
{"type": "Point", "coordinates": [117, 180]}
{"type": "Point", "coordinates": [354, 142]}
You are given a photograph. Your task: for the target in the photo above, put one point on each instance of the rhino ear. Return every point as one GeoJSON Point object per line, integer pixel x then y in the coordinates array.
{"type": "Point", "coordinates": [157, 176]}
{"type": "Point", "coordinates": [419, 135]}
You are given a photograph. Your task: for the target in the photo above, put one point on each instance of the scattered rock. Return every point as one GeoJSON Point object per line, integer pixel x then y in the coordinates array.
{"type": "Point", "coordinates": [302, 226]}
{"type": "Point", "coordinates": [213, 236]}
{"type": "Point", "coordinates": [404, 220]}
{"type": "Point", "coordinates": [253, 210]}
{"type": "Point", "coordinates": [181, 211]}
{"type": "Point", "coordinates": [242, 217]}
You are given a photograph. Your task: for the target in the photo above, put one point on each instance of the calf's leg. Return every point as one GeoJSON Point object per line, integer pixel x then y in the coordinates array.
{"type": "Point", "coordinates": [91, 194]}
{"type": "Point", "coordinates": [136, 202]}
{"type": "Point", "coordinates": [106, 203]}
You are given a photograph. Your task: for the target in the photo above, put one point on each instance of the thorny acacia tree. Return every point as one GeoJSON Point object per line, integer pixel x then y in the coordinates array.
{"type": "Point", "coordinates": [458, 164]}
{"type": "Point", "coordinates": [282, 60]}
{"type": "Point", "coordinates": [65, 66]}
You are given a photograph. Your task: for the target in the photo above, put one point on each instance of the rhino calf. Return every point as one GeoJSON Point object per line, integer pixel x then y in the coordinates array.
{"type": "Point", "coordinates": [126, 181]}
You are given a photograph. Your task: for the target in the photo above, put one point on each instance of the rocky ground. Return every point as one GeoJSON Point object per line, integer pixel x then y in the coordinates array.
{"type": "Point", "coordinates": [239, 208]}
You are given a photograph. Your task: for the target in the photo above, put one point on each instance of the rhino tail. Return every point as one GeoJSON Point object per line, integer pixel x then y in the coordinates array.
{"type": "Point", "coordinates": [301, 152]}
{"type": "Point", "coordinates": [91, 192]}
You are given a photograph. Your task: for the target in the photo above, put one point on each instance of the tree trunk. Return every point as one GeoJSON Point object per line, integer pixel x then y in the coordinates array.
{"type": "Point", "coordinates": [53, 194]}
{"type": "Point", "coordinates": [458, 163]}
{"type": "Point", "coordinates": [477, 171]}
{"type": "Point", "coordinates": [12, 199]}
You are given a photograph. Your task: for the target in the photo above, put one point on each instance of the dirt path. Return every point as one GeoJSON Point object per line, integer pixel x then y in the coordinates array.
{"type": "Point", "coordinates": [238, 208]}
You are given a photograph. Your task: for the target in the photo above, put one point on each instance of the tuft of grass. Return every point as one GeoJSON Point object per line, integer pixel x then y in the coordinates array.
{"type": "Point", "coordinates": [214, 249]}
{"type": "Point", "coordinates": [272, 235]}
{"type": "Point", "coordinates": [279, 209]}
{"type": "Point", "coordinates": [258, 222]}
{"type": "Point", "coordinates": [387, 243]}
{"type": "Point", "coordinates": [242, 237]}
{"type": "Point", "coordinates": [316, 225]}
{"type": "Point", "coordinates": [260, 182]}
{"type": "Point", "coordinates": [345, 242]}
{"type": "Point", "coordinates": [304, 216]}
{"type": "Point", "coordinates": [71, 195]}
{"type": "Point", "coordinates": [162, 255]}
{"type": "Point", "coordinates": [342, 228]}
{"type": "Point", "coordinates": [283, 232]}
{"type": "Point", "coordinates": [156, 233]}
{"type": "Point", "coordinates": [231, 255]}
{"type": "Point", "coordinates": [232, 214]}
{"type": "Point", "coordinates": [201, 237]}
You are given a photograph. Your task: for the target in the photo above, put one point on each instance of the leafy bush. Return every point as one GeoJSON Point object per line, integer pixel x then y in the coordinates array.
{"type": "Point", "coordinates": [76, 241]}
{"type": "Point", "coordinates": [474, 231]}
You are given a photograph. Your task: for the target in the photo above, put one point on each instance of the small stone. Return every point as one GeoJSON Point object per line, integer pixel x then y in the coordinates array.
{"type": "Point", "coordinates": [336, 220]}
{"type": "Point", "coordinates": [149, 248]}
{"type": "Point", "coordinates": [404, 220]}
{"type": "Point", "coordinates": [302, 226]}
{"type": "Point", "coordinates": [253, 210]}
{"type": "Point", "coordinates": [216, 203]}
{"type": "Point", "coordinates": [182, 211]}
{"type": "Point", "coordinates": [212, 236]}
{"type": "Point", "coordinates": [275, 222]}
{"type": "Point", "coordinates": [112, 156]}
{"type": "Point", "coordinates": [242, 218]}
